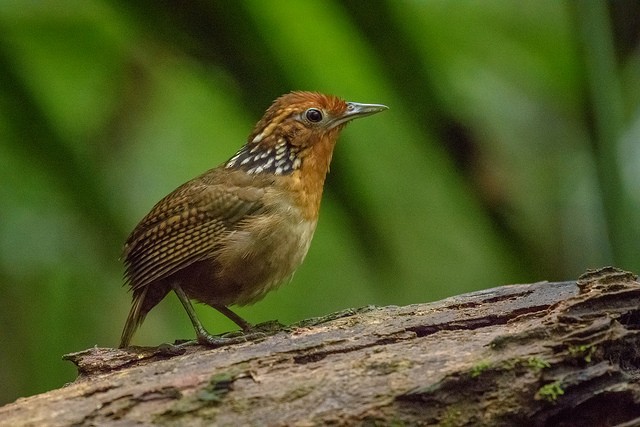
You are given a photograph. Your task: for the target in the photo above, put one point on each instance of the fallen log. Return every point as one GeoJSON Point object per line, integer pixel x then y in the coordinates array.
{"type": "Point", "coordinates": [546, 353]}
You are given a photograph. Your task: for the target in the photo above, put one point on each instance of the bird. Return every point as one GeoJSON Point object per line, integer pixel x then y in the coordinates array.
{"type": "Point", "coordinates": [239, 230]}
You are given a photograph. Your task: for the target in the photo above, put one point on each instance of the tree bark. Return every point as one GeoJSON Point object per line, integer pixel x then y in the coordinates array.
{"type": "Point", "coordinates": [561, 354]}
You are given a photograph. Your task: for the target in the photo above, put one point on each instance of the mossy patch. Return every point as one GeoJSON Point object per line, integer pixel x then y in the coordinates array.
{"type": "Point", "coordinates": [584, 352]}
{"type": "Point", "coordinates": [479, 368]}
{"type": "Point", "coordinates": [550, 392]}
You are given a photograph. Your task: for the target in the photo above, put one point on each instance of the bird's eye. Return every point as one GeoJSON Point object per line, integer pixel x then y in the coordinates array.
{"type": "Point", "coordinates": [313, 115]}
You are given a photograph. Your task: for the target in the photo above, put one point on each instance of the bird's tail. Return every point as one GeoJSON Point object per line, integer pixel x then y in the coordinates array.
{"type": "Point", "coordinates": [144, 299]}
{"type": "Point", "coordinates": [135, 317]}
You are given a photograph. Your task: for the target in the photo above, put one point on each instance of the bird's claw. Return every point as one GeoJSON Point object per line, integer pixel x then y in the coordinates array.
{"type": "Point", "coordinates": [230, 338]}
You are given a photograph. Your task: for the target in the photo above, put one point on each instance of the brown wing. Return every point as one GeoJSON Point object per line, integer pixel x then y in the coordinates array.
{"type": "Point", "coordinates": [185, 226]}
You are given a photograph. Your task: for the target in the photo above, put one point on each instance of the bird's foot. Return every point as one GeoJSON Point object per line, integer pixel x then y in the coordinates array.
{"type": "Point", "coordinates": [235, 337]}
{"type": "Point", "coordinates": [269, 327]}
{"type": "Point", "coordinates": [230, 338]}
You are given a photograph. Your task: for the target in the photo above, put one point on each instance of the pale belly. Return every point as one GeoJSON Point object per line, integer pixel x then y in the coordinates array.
{"type": "Point", "coordinates": [256, 259]}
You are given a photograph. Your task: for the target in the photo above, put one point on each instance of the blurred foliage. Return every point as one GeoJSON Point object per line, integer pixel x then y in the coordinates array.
{"type": "Point", "coordinates": [510, 152]}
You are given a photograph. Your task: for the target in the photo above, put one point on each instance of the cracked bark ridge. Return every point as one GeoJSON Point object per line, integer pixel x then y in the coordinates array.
{"type": "Point", "coordinates": [556, 354]}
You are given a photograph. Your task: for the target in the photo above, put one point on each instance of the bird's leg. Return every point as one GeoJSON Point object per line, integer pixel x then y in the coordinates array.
{"type": "Point", "coordinates": [204, 337]}
{"type": "Point", "coordinates": [250, 331]}
{"type": "Point", "coordinates": [244, 325]}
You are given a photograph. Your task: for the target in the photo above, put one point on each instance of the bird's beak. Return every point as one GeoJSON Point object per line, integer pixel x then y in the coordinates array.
{"type": "Point", "coordinates": [355, 110]}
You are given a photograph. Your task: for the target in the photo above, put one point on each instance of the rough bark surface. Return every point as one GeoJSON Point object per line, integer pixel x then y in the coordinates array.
{"type": "Point", "coordinates": [556, 354]}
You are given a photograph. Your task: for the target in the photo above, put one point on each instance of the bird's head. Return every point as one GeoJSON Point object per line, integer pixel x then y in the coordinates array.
{"type": "Point", "coordinates": [296, 126]}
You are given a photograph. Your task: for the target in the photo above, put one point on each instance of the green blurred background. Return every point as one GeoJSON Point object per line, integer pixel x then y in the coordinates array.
{"type": "Point", "coordinates": [510, 152]}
